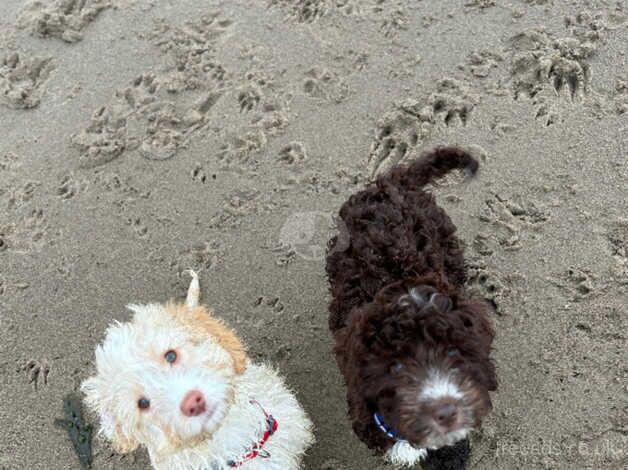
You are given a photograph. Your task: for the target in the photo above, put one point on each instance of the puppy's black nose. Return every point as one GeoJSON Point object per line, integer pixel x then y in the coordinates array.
{"type": "Point", "coordinates": [446, 415]}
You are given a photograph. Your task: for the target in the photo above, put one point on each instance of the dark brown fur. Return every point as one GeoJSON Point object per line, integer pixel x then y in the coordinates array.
{"type": "Point", "coordinates": [398, 239]}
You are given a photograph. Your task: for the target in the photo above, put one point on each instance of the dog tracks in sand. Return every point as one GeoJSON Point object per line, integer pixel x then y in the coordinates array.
{"type": "Point", "coordinates": [37, 372]}
{"type": "Point", "coordinates": [400, 132]}
{"type": "Point", "coordinates": [63, 19]}
{"type": "Point", "coordinates": [22, 80]}
{"type": "Point", "coordinates": [158, 112]}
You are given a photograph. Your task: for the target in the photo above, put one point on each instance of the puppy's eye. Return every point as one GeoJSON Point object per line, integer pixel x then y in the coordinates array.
{"type": "Point", "coordinates": [451, 352]}
{"type": "Point", "coordinates": [396, 367]}
{"type": "Point", "coordinates": [171, 356]}
{"type": "Point", "coordinates": [143, 403]}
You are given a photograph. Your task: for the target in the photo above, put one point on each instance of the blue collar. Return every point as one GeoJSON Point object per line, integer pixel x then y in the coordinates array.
{"type": "Point", "coordinates": [389, 431]}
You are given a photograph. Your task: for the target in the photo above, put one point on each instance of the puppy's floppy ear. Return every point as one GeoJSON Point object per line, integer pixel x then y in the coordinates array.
{"type": "Point", "coordinates": [475, 314]}
{"type": "Point", "coordinates": [202, 324]}
{"type": "Point", "coordinates": [477, 320]}
{"type": "Point", "coordinates": [109, 428]}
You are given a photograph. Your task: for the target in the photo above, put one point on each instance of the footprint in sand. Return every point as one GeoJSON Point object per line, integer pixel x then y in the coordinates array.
{"type": "Point", "coordinates": [104, 140]}
{"type": "Point", "coordinates": [202, 256]}
{"type": "Point", "coordinates": [452, 102]}
{"type": "Point", "coordinates": [160, 111]}
{"type": "Point", "coordinates": [22, 80]}
{"type": "Point", "coordinates": [239, 147]}
{"type": "Point", "coordinates": [392, 17]}
{"type": "Point", "coordinates": [304, 11]}
{"type": "Point", "coordinates": [507, 218]}
{"type": "Point", "coordinates": [249, 97]}
{"type": "Point", "coordinates": [17, 197]}
{"type": "Point", "coordinates": [620, 96]}
{"type": "Point", "coordinates": [541, 61]}
{"type": "Point", "coordinates": [272, 303]}
{"type": "Point", "coordinates": [199, 175]}
{"type": "Point", "coordinates": [397, 132]}
{"type": "Point", "coordinates": [63, 19]}
{"type": "Point", "coordinates": [138, 227]}
{"type": "Point", "coordinates": [487, 284]}
{"type": "Point", "coordinates": [349, 7]}
{"type": "Point", "coordinates": [618, 240]}
{"type": "Point", "coordinates": [546, 66]}
{"type": "Point", "coordinates": [36, 372]}
{"type": "Point", "coordinates": [479, 5]}
{"type": "Point", "coordinates": [68, 187]}
{"type": "Point", "coordinates": [9, 162]}
{"type": "Point", "coordinates": [160, 126]}
{"type": "Point", "coordinates": [577, 284]}
{"type": "Point", "coordinates": [28, 233]}
{"type": "Point", "coordinates": [293, 154]}
{"type": "Point", "coordinates": [324, 84]}
{"type": "Point", "coordinates": [482, 62]}
{"type": "Point", "coordinates": [413, 121]}
{"type": "Point", "coordinates": [581, 282]}
{"type": "Point", "coordinates": [268, 118]}
{"type": "Point", "coordinates": [237, 205]}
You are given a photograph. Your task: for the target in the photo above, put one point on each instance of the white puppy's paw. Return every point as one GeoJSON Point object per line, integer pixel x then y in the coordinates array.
{"type": "Point", "coordinates": [403, 454]}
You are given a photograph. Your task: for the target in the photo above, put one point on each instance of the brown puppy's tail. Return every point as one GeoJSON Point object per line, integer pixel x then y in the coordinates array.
{"type": "Point", "coordinates": [432, 165]}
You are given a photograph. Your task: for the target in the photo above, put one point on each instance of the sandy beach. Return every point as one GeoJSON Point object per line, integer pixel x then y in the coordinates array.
{"type": "Point", "coordinates": [140, 138]}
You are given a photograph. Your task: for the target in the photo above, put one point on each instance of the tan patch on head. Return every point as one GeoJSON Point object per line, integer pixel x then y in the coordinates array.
{"type": "Point", "coordinates": [202, 324]}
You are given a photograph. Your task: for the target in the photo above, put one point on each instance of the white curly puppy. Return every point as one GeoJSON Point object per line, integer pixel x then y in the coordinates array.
{"type": "Point", "coordinates": [178, 381]}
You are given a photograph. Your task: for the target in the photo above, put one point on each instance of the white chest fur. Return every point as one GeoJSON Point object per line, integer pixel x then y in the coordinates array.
{"type": "Point", "coordinates": [245, 425]}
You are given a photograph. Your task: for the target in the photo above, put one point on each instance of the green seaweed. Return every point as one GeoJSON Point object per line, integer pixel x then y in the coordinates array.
{"type": "Point", "coordinates": [79, 431]}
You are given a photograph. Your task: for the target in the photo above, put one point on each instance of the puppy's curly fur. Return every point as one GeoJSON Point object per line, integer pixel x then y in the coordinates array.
{"type": "Point", "coordinates": [409, 339]}
{"type": "Point", "coordinates": [177, 380]}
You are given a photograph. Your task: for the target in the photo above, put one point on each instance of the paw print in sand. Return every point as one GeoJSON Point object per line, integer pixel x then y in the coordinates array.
{"type": "Point", "coordinates": [63, 19]}
{"type": "Point", "coordinates": [141, 92]}
{"type": "Point", "coordinates": [293, 153]}
{"type": "Point", "coordinates": [305, 11]}
{"type": "Point", "coordinates": [399, 131]}
{"type": "Point", "coordinates": [199, 175]}
{"type": "Point", "coordinates": [22, 79]}
{"type": "Point", "coordinates": [36, 372]}
{"type": "Point", "coordinates": [541, 60]}
{"type": "Point", "coordinates": [452, 102]}
{"type": "Point", "coordinates": [249, 97]}
{"type": "Point", "coordinates": [487, 284]}
{"type": "Point", "coordinates": [325, 84]}
{"type": "Point", "coordinates": [138, 227]}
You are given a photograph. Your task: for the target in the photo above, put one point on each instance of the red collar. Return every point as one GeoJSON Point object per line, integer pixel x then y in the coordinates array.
{"type": "Point", "coordinates": [256, 449]}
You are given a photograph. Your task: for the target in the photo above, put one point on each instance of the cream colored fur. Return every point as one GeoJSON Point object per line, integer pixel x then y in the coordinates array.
{"type": "Point", "coordinates": [245, 424]}
{"type": "Point", "coordinates": [131, 366]}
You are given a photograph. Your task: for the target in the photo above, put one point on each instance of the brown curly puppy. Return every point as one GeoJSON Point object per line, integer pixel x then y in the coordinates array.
{"type": "Point", "coordinates": [413, 346]}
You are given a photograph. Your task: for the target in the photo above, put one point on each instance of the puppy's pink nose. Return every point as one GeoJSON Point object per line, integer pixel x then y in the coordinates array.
{"type": "Point", "coordinates": [193, 403]}
{"type": "Point", "coordinates": [446, 415]}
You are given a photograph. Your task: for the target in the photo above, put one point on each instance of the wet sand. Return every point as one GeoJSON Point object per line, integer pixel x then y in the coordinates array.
{"type": "Point", "coordinates": [142, 138]}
